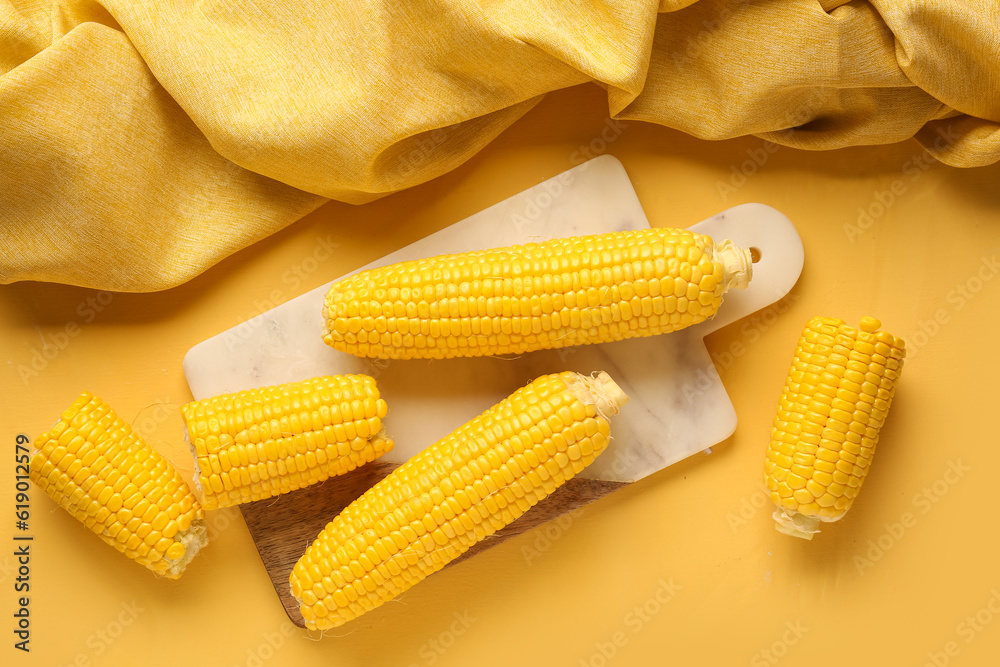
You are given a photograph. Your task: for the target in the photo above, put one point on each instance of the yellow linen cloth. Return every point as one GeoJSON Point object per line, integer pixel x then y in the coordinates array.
{"type": "Point", "coordinates": [142, 142]}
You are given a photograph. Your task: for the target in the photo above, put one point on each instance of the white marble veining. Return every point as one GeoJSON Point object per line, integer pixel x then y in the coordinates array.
{"type": "Point", "coordinates": [679, 405]}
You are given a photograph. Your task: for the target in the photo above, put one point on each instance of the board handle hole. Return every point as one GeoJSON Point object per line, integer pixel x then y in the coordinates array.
{"type": "Point", "coordinates": [754, 254]}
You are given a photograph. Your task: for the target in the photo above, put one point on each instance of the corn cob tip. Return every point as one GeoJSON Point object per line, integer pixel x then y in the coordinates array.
{"type": "Point", "coordinates": [737, 264]}
{"type": "Point", "coordinates": [600, 391]}
{"type": "Point", "coordinates": [792, 523]}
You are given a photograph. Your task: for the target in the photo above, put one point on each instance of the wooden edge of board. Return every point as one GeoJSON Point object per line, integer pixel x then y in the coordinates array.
{"type": "Point", "coordinates": [283, 528]}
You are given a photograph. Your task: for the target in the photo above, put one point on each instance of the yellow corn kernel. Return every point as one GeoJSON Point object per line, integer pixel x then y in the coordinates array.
{"type": "Point", "coordinates": [564, 292]}
{"type": "Point", "coordinates": [119, 486]}
{"type": "Point", "coordinates": [451, 495]}
{"type": "Point", "coordinates": [825, 411]}
{"type": "Point", "coordinates": [259, 443]}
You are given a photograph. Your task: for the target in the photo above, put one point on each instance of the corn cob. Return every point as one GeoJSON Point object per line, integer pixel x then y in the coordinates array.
{"type": "Point", "coordinates": [453, 494]}
{"type": "Point", "coordinates": [99, 470]}
{"type": "Point", "coordinates": [259, 443]}
{"type": "Point", "coordinates": [573, 291]}
{"type": "Point", "coordinates": [834, 402]}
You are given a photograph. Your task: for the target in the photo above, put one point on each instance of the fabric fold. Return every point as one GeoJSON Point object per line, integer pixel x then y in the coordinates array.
{"type": "Point", "coordinates": [144, 142]}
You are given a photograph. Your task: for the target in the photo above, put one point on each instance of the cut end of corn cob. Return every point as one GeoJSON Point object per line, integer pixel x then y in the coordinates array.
{"type": "Point", "coordinates": [835, 400]}
{"type": "Point", "coordinates": [99, 470]}
{"type": "Point", "coordinates": [600, 391]}
{"type": "Point", "coordinates": [453, 494]}
{"type": "Point", "coordinates": [792, 523]}
{"type": "Point", "coordinates": [737, 264]}
{"type": "Point", "coordinates": [260, 443]}
{"type": "Point", "coordinates": [560, 293]}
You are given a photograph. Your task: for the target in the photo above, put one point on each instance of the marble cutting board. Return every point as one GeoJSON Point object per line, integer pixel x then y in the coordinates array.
{"type": "Point", "coordinates": [678, 404]}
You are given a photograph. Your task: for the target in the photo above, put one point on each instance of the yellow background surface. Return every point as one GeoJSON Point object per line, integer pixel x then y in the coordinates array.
{"type": "Point", "coordinates": [683, 567]}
